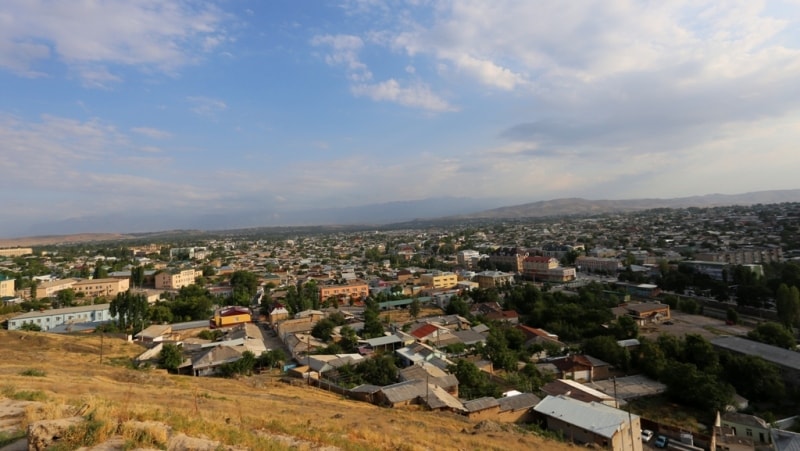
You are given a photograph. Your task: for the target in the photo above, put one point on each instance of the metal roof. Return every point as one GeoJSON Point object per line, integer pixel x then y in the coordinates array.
{"type": "Point", "coordinates": [594, 417]}
{"type": "Point", "coordinates": [779, 356]}
{"type": "Point", "coordinates": [518, 402]}
{"type": "Point", "coordinates": [479, 404]}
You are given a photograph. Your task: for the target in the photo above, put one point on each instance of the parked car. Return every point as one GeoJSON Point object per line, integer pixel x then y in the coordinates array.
{"type": "Point", "coordinates": [647, 434]}
{"type": "Point", "coordinates": [661, 441]}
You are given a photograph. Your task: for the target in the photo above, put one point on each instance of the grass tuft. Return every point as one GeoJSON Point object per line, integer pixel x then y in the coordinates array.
{"type": "Point", "coordinates": [33, 372]}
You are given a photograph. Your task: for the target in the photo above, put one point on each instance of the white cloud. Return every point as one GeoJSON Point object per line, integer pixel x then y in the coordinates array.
{"type": "Point", "coordinates": [148, 34]}
{"type": "Point", "coordinates": [415, 95]}
{"type": "Point", "coordinates": [151, 132]}
{"type": "Point", "coordinates": [206, 106]}
{"type": "Point", "coordinates": [344, 52]}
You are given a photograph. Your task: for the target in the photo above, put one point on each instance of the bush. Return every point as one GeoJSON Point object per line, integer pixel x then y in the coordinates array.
{"type": "Point", "coordinates": [33, 372]}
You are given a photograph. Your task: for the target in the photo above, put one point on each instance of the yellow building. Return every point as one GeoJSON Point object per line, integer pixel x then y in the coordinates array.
{"type": "Point", "coordinates": [438, 279]}
{"type": "Point", "coordinates": [101, 287]}
{"type": "Point", "coordinates": [16, 252]}
{"type": "Point", "coordinates": [6, 287]}
{"type": "Point", "coordinates": [353, 290]}
{"type": "Point", "coordinates": [230, 316]}
{"type": "Point", "coordinates": [50, 288]}
{"type": "Point", "coordinates": [175, 280]}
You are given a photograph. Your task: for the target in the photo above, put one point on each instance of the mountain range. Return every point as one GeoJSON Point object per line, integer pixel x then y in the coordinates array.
{"type": "Point", "coordinates": [440, 209]}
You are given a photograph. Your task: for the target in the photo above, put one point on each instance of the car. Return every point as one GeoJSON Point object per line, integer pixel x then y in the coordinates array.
{"type": "Point", "coordinates": [647, 434]}
{"type": "Point", "coordinates": [661, 441]}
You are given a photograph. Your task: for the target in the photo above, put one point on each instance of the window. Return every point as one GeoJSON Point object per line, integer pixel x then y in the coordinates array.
{"type": "Point", "coordinates": [749, 432]}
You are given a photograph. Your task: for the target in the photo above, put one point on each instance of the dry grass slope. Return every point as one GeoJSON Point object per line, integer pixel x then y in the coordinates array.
{"type": "Point", "coordinates": [258, 412]}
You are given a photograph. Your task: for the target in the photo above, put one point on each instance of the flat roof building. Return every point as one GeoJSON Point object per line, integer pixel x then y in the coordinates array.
{"type": "Point", "coordinates": [49, 319]}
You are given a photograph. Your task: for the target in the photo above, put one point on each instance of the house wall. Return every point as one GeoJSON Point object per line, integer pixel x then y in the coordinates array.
{"type": "Point", "coordinates": [758, 435]}
{"type": "Point", "coordinates": [16, 252]}
{"type": "Point", "coordinates": [225, 321]}
{"type": "Point", "coordinates": [52, 318]}
{"type": "Point", "coordinates": [577, 434]}
{"type": "Point", "coordinates": [7, 288]}
{"type": "Point", "coordinates": [515, 416]}
{"type": "Point", "coordinates": [101, 287]}
{"type": "Point", "coordinates": [491, 413]}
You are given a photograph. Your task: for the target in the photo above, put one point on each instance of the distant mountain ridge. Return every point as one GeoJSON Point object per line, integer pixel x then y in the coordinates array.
{"type": "Point", "coordinates": [391, 214]}
{"type": "Point", "coordinates": [579, 206]}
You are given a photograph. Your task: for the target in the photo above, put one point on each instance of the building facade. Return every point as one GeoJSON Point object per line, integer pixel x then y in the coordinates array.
{"type": "Point", "coordinates": [353, 290]}
{"type": "Point", "coordinates": [16, 252]}
{"type": "Point", "coordinates": [509, 259]}
{"type": "Point", "coordinates": [546, 269]}
{"type": "Point", "coordinates": [48, 319]}
{"type": "Point", "coordinates": [439, 279]}
{"type": "Point", "coordinates": [468, 258]}
{"type": "Point", "coordinates": [6, 287]}
{"type": "Point", "coordinates": [101, 287]}
{"type": "Point", "coordinates": [49, 289]}
{"type": "Point", "coordinates": [175, 280]}
{"type": "Point", "coordinates": [597, 264]}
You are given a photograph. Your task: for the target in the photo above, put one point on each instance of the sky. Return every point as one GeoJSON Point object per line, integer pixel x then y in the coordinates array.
{"type": "Point", "coordinates": [168, 108]}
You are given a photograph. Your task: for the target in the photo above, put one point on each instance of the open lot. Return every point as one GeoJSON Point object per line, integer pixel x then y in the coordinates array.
{"type": "Point", "coordinates": [683, 324]}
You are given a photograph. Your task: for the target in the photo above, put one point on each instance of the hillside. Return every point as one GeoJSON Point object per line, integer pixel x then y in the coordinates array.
{"type": "Point", "coordinates": [578, 206]}
{"type": "Point", "coordinates": [257, 412]}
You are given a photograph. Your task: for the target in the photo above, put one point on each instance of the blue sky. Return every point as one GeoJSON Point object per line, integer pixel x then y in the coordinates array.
{"type": "Point", "coordinates": [174, 107]}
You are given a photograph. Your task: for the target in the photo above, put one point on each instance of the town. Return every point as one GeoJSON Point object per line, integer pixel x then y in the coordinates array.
{"type": "Point", "coordinates": [667, 328]}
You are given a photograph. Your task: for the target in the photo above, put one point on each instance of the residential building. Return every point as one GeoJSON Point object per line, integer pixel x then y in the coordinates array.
{"type": "Point", "coordinates": [175, 280]}
{"type": "Point", "coordinates": [592, 423]}
{"type": "Point", "coordinates": [355, 290]}
{"type": "Point", "coordinates": [49, 289]}
{"type": "Point", "coordinates": [597, 264]}
{"type": "Point", "coordinates": [546, 269]}
{"type": "Point", "coordinates": [644, 313]}
{"type": "Point", "coordinates": [16, 252]}
{"type": "Point", "coordinates": [6, 287]}
{"type": "Point", "coordinates": [439, 279]}
{"type": "Point", "coordinates": [230, 316]}
{"type": "Point", "coordinates": [490, 279]}
{"type": "Point", "coordinates": [747, 426]}
{"type": "Point", "coordinates": [48, 319]}
{"type": "Point", "coordinates": [92, 288]}
{"type": "Point", "coordinates": [509, 259]}
{"type": "Point", "coordinates": [745, 256]}
{"type": "Point", "coordinates": [468, 258]}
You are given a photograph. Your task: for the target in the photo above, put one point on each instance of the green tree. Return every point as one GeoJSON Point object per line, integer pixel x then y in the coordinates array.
{"type": "Point", "coordinates": [787, 303]}
{"type": "Point", "coordinates": [131, 310]}
{"type": "Point", "coordinates": [30, 327]}
{"type": "Point", "coordinates": [732, 315]}
{"type": "Point", "coordinates": [137, 276]}
{"type": "Point", "coordinates": [415, 308]}
{"type": "Point", "coordinates": [379, 370]}
{"type": "Point", "coordinates": [271, 358]}
{"type": "Point", "coordinates": [625, 327]}
{"type": "Point", "coordinates": [170, 357]}
{"type": "Point", "coordinates": [245, 286]}
{"type": "Point", "coordinates": [66, 298]}
{"type": "Point", "coordinates": [472, 382]}
{"type": "Point", "coordinates": [100, 272]}
{"type": "Point", "coordinates": [773, 334]}
{"type": "Point", "coordinates": [372, 322]}
{"type": "Point", "coordinates": [323, 329]}
{"type": "Point", "coordinates": [349, 341]}
{"type": "Point", "coordinates": [753, 377]}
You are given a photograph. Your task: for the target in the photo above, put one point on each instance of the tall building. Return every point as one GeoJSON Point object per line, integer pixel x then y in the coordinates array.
{"type": "Point", "coordinates": [439, 279]}
{"type": "Point", "coordinates": [468, 258]}
{"type": "Point", "coordinates": [509, 259]}
{"type": "Point", "coordinates": [175, 280]}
